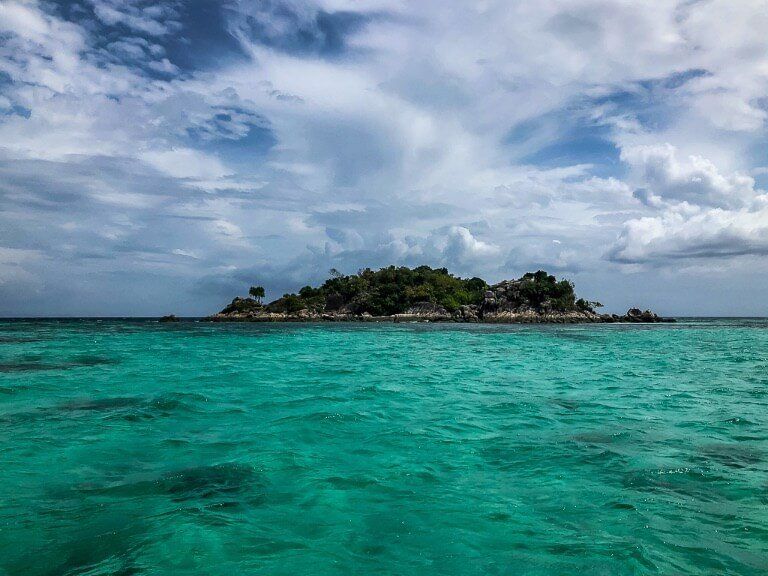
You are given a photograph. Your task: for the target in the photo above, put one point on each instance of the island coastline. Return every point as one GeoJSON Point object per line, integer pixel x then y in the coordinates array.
{"type": "Point", "coordinates": [424, 294]}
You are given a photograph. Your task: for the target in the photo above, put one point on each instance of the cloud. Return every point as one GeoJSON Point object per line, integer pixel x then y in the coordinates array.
{"type": "Point", "coordinates": [462, 248]}
{"type": "Point", "coordinates": [151, 144]}
{"type": "Point", "coordinates": [712, 233]}
{"type": "Point", "coordinates": [296, 27]}
{"type": "Point", "coordinates": [186, 163]}
{"type": "Point", "coordinates": [152, 18]}
{"type": "Point", "coordinates": [704, 213]}
{"type": "Point", "coordinates": [662, 177]}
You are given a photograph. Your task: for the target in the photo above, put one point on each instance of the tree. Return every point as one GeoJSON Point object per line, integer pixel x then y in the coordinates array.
{"type": "Point", "coordinates": [257, 292]}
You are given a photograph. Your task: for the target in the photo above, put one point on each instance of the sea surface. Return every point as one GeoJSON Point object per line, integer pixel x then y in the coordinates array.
{"type": "Point", "coordinates": [133, 447]}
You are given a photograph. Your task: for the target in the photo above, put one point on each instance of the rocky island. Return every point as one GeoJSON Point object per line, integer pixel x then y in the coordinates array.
{"type": "Point", "coordinates": [424, 294]}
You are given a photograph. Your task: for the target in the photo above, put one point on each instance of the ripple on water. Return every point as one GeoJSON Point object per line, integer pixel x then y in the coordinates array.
{"type": "Point", "coordinates": [684, 481]}
{"type": "Point", "coordinates": [38, 363]}
{"type": "Point", "coordinates": [731, 455]}
{"type": "Point", "coordinates": [131, 408]}
{"type": "Point", "coordinates": [20, 339]}
{"type": "Point", "coordinates": [221, 485]}
{"type": "Point", "coordinates": [389, 449]}
{"type": "Point", "coordinates": [600, 438]}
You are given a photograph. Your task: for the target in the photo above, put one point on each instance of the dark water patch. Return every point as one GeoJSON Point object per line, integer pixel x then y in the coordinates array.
{"type": "Point", "coordinates": [138, 407]}
{"type": "Point", "coordinates": [177, 442]}
{"type": "Point", "coordinates": [37, 363]}
{"type": "Point", "coordinates": [131, 408]}
{"type": "Point", "coordinates": [731, 455]}
{"type": "Point", "coordinates": [228, 483]}
{"type": "Point", "coordinates": [92, 360]}
{"type": "Point", "coordinates": [93, 541]}
{"type": "Point", "coordinates": [103, 554]}
{"type": "Point", "coordinates": [739, 421]}
{"type": "Point", "coordinates": [569, 549]}
{"type": "Point", "coordinates": [21, 366]}
{"type": "Point", "coordinates": [206, 482]}
{"type": "Point", "coordinates": [73, 408]}
{"type": "Point", "coordinates": [427, 476]}
{"type": "Point", "coordinates": [622, 506]}
{"type": "Point", "coordinates": [98, 404]}
{"type": "Point", "coordinates": [684, 481]}
{"type": "Point", "coordinates": [336, 371]}
{"type": "Point", "coordinates": [266, 547]}
{"type": "Point", "coordinates": [20, 339]}
{"type": "Point", "coordinates": [164, 405]}
{"type": "Point", "coordinates": [570, 405]}
{"type": "Point", "coordinates": [625, 551]}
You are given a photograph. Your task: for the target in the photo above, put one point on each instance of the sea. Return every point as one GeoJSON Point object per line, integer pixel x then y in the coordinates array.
{"type": "Point", "coordinates": [132, 447]}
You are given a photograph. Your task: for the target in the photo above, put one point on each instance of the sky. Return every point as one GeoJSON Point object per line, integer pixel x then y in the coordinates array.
{"type": "Point", "coordinates": [162, 156]}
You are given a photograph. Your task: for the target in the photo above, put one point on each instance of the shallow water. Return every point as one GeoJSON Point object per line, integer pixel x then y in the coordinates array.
{"type": "Point", "coordinates": [132, 447]}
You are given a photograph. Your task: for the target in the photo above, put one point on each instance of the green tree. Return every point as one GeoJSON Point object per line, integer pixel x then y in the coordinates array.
{"type": "Point", "coordinates": [257, 292]}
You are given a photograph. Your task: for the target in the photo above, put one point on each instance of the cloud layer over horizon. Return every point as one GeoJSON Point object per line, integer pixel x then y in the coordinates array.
{"type": "Point", "coordinates": [162, 156]}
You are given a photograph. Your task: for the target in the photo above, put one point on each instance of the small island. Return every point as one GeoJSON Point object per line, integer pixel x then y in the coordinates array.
{"type": "Point", "coordinates": [424, 294]}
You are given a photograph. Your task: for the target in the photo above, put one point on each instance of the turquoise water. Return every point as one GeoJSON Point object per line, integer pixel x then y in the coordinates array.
{"type": "Point", "coordinates": [143, 448]}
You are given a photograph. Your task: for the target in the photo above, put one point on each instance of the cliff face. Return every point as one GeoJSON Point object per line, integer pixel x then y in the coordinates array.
{"type": "Point", "coordinates": [511, 301]}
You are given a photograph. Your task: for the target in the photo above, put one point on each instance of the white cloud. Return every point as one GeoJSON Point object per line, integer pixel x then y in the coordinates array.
{"type": "Point", "coordinates": [662, 177]}
{"type": "Point", "coordinates": [155, 20]}
{"type": "Point", "coordinates": [463, 248]}
{"type": "Point", "coordinates": [707, 233]}
{"type": "Point", "coordinates": [186, 163]}
{"type": "Point", "coordinates": [457, 134]}
{"type": "Point", "coordinates": [704, 213]}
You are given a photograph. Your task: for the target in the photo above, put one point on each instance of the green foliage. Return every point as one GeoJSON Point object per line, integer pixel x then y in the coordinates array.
{"type": "Point", "coordinates": [394, 289]}
{"type": "Point", "coordinates": [540, 289]}
{"type": "Point", "coordinates": [386, 291]}
{"type": "Point", "coordinates": [241, 305]}
{"type": "Point", "coordinates": [289, 303]}
{"type": "Point", "coordinates": [309, 292]}
{"type": "Point", "coordinates": [257, 292]}
{"type": "Point", "coordinates": [587, 305]}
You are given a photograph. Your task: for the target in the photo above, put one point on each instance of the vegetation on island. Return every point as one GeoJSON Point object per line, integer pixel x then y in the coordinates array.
{"type": "Point", "coordinates": [393, 289]}
{"type": "Point", "coordinates": [257, 292]}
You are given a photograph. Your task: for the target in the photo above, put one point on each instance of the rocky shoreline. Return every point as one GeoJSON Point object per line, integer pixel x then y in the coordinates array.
{"type": "Point", "coordinates": [502, 303]}
{"type": "Point", "coordinates": [634, 315]}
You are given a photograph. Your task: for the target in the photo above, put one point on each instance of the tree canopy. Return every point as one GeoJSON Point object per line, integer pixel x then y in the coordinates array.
{"type": "Point", "coordinates": [386, 291]}
{"type": "Point", "coordinates": [394, 289]}
{"type": "Point", "coordinates": [257, 292]}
